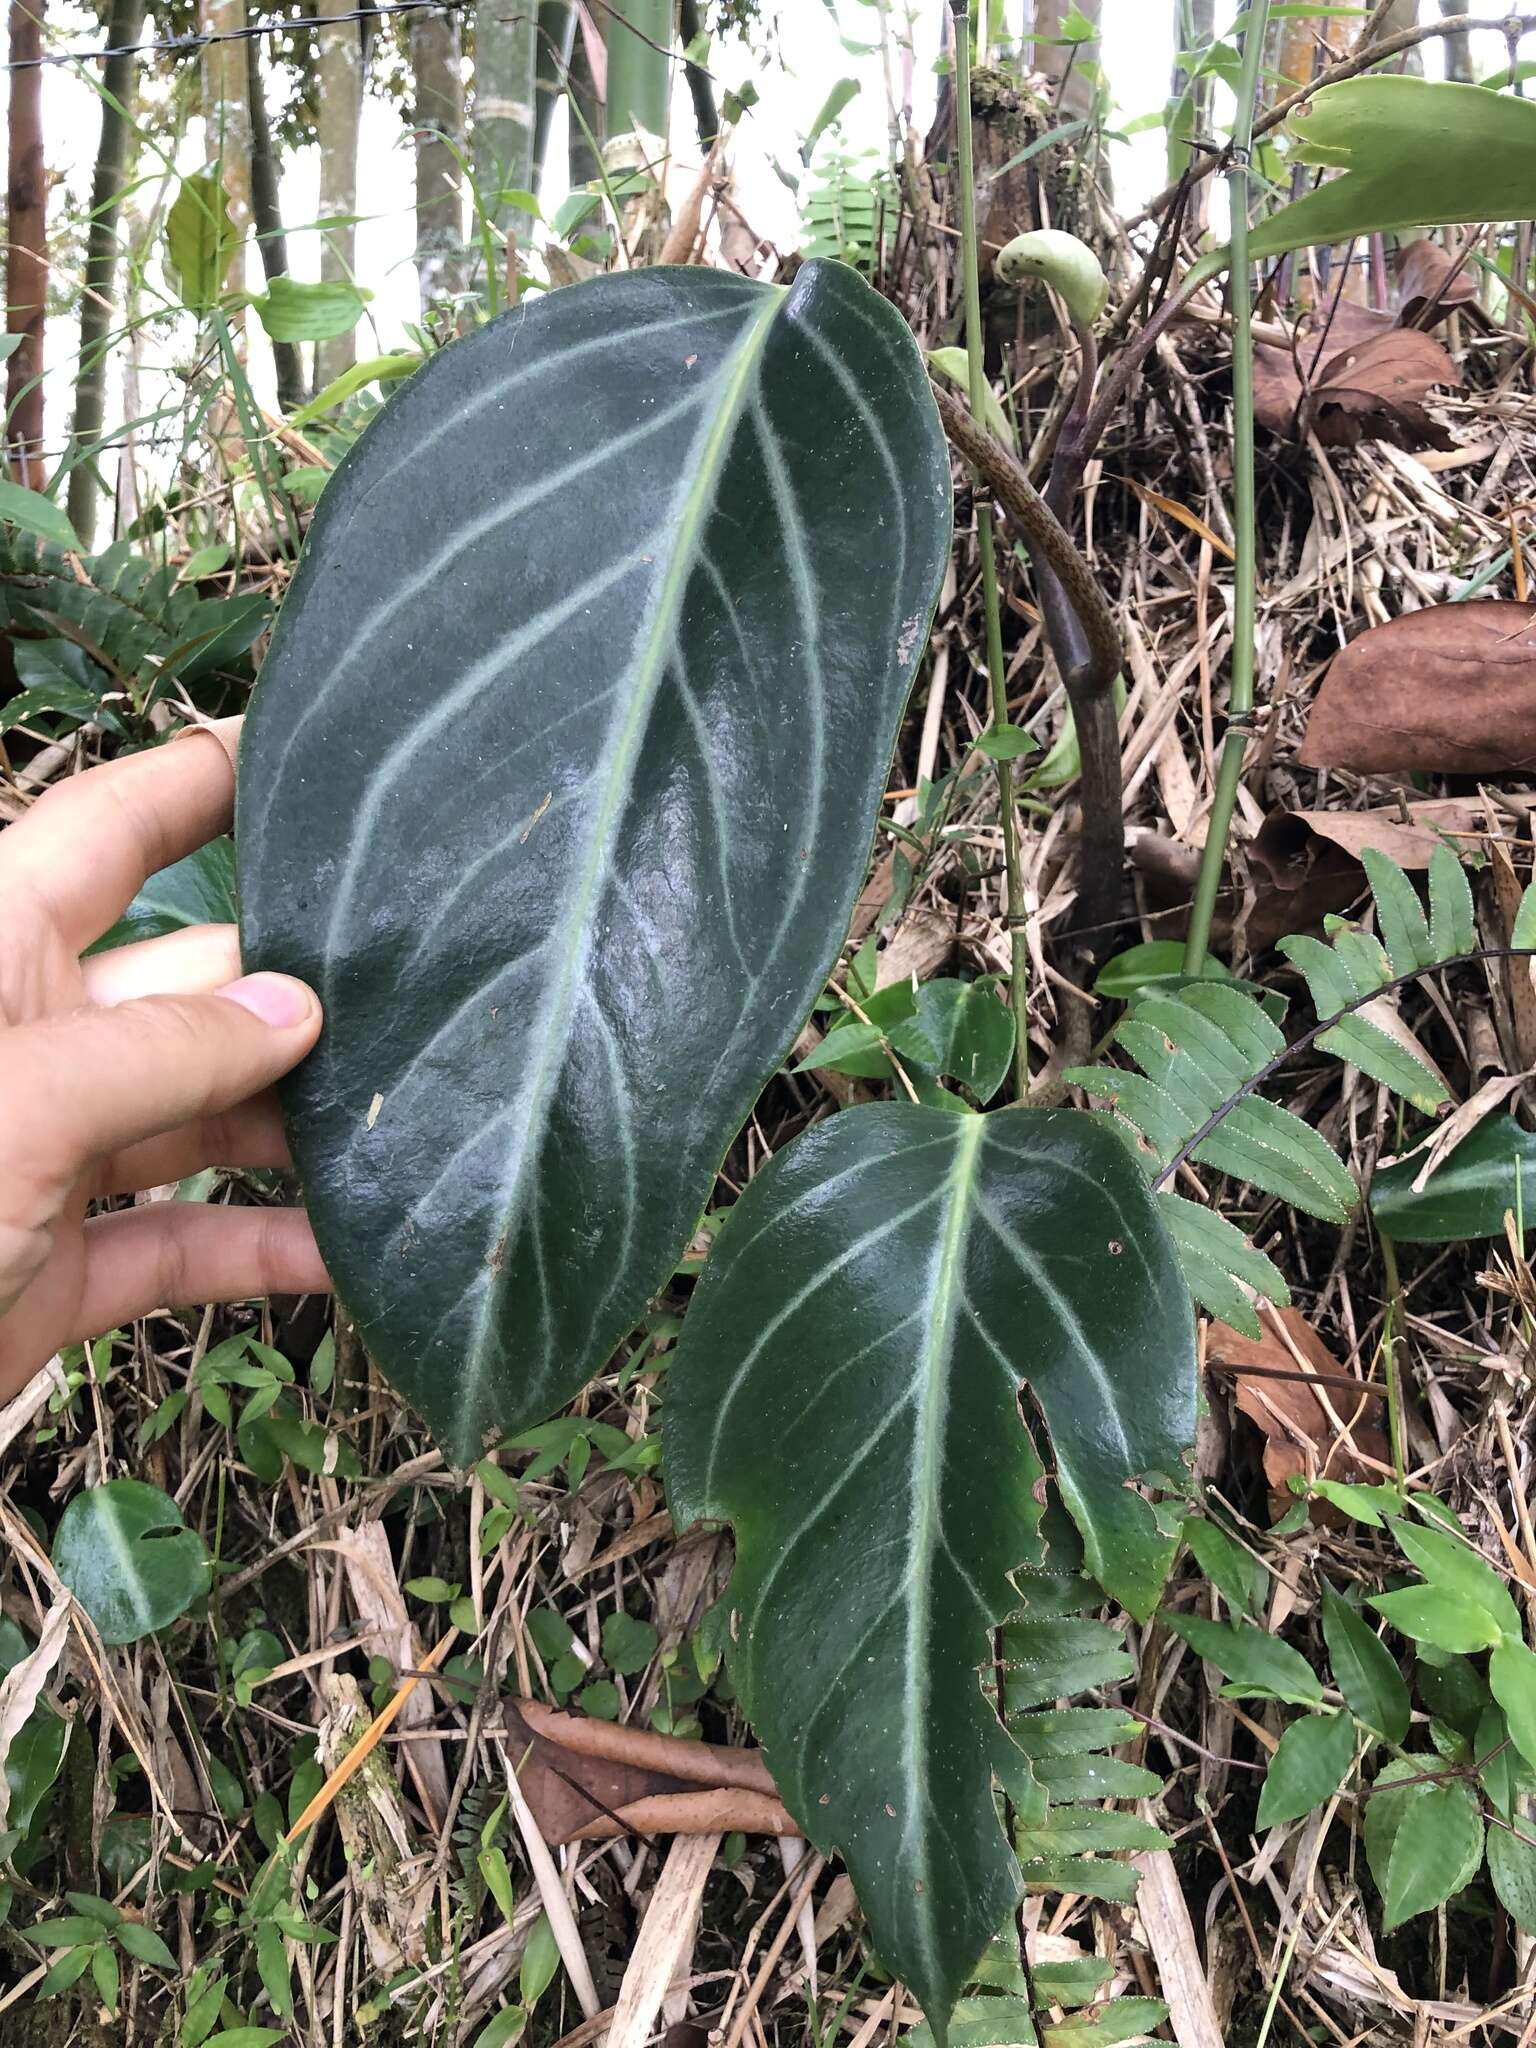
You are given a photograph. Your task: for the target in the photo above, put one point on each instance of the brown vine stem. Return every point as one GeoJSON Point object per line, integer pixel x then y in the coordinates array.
{"type": "Point", "coordinates": [1088, 676]}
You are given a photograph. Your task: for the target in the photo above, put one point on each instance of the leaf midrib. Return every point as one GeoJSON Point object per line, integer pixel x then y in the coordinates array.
{"type": "Point", "coordinates": [553, 1029]}
{"type": "Point", "coordinates": [945, 1294]}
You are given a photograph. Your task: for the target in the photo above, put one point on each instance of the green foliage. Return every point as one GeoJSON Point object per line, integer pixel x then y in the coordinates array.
{"type": "Point", "coordinates": [844, 210]}
{"type": "Point", "coordinates": [1424, 1828]}
{"type": "Point", "coordinates": [1414, 153]}
{"type": "Point", "coordinates": [119, 625]}
{"type": "Point", "coordinates": [939, 1240]}
{"type": "Point", "coordinates": [1490, 1175]}
{"type": "Point", "coordinates": [1202, 1050]}
{"type": "Point", "coordinates": [641, 966]}
{"type": "Point", "coordinates": [201, 239]}
{"type": "Point", "coordinates": [128, 1557]}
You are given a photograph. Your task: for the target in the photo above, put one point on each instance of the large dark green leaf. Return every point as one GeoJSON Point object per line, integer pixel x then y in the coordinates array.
{"type": "Point", "coordinates": [846, 1395]}
{"type": "Point", "coordinates": [1490, 1174]}
{"type": "Point", "coordinates": [559, 785]}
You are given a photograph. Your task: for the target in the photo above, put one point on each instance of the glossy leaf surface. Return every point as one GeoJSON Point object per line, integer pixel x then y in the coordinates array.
{"type": "Point", "coordinates": [1490, 1174]}
{"type": "Point", "coordinates": [559, 786]}
{"type": "Point", "coordinates": [845, 1395]}
{"type": "Point", "coordinates": [125, 1552]}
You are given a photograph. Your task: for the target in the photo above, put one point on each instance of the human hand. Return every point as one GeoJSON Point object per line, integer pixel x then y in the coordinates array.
{"type": "Point", "coordinates": [134, 1067]}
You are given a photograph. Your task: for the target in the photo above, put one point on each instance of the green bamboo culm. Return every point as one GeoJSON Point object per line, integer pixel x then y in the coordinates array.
{"type": "Point", "coordinates": [997, 671]}
{"type": "Point", "coordinates": [1244, 531]}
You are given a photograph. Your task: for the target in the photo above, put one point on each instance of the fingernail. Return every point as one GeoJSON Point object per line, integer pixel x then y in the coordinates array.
{"type": "Point", "coordinates": [274, 998]}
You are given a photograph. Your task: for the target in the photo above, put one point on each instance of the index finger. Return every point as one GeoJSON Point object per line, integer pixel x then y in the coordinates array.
{"type": "Point", "coordinates": [88, 846]}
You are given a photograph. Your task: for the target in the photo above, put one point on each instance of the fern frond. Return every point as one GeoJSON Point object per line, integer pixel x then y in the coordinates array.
{"type": "Point", "coordinates": [1204, 1050]}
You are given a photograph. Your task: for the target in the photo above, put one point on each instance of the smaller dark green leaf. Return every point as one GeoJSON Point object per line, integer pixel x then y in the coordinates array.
{"type": "Point", "coordinates": [1097, 1777]}
{"type": "Point", "coordinates": [1423, 1841]}
{"type": "Point", "coordinates": [1309, 1766]}
{"type": "Point", "coordinates": [1512, 1866]}
{"type": "Point", "coordinates": [1240, 1579]}
{"type": "Point", "coordinates": [1258, 1664]}
{"type": "Point", "coordinates": [1490, 1174]}
{"type": "Point", "coordinates": [1512, 1675]}
{"type": "Point", "coordinates": [69, 1967]}
{"type": "Point", "coordinates": [1451, 1687]}
{"type": "Point", "coordinates": [67, 1932]}
{"type": "Point", "coordinates": [1367, 1504]}
{"type": "Point", "coordinates": [128, 1557]}
{"type": "Point", "coordinates": [969, 1029]}
{"type": "Point", "coordinates": [1072, 1730]}
{"type": "Point", "coordinates": [628, 1644]}
{"type": "Point", "coordinates": [105, 1976]}
{"type": "Point", "coordinates": [197, 890]}
{"type": "Point", "coordinates": [32, 1764]}
{"type": "Point", "coordinates": [60, 700]}
{"type": "Point", "coordinates": [1369, 1679]}
{"type": "Point", "coordinates": [1429, 1614]}
{"type": "Point", "coordinates": [1127, 2019]}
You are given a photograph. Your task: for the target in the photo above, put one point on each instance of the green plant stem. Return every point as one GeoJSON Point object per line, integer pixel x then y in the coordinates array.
{"type": "Point", "coordinates": [1389, 1362]}
{"type": "Point", "coordinates": [1244, 532]}
{"type": "Point", "coordinates": [997, 673]}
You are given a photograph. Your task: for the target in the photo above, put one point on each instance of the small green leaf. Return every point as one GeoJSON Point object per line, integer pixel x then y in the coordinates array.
{"type": "Point", "coordinates": [1449, 1562]}
{"type": "Point", "coordinates": [68, 1968]}
{"type": "Point", "coordinates": [293, 311]}
{"type": "Point", "coordinates": [845, 90]}
{"type": "Point", "coordinates": [1512, 1677]}
{"type": "Point", "coordinates": [247, 2037]}
{"type": "Point", "coordinates": [1309, 1766]}
{"type": "Point", "coordinates": [200, 889]}
{"type": "Point", "coordinates": [128, 1557]}
{"type": "Point", "coordinates": [144, 1945]}
{"type": "Point", "coordinates": [67, 1932]}
{"type": "Point", "coordinates": [1428, 1614]}
{"type": "Point", "coordinates": [104, 1975]}
{"type": "Point", "coordinates": [376, 370]}
{"type": "Point", "coordinates": [1512, 1866]}
{"type": "Point", "coordinates": [1369, 1679]}
{"type": "Point", "coordinates": [503, 2028]}
{"type": "Point", "coordinates": [1155, 964]}
{"type": "Point", "coordinates": [541, 1959]}
{"type": "Point", "coordinates": [1452, 919]}
{"type": "Point", "coordinates": [1423, 1841]}
{"type": "Point", "coordinates": [1258, 1664]}
{"type": "Point", "coordinates": [1241, 1579]}
{"type": "Point", "coordinates": [600, 1700]}
{"type": "Point", "coordinates": [628, 1644]}
{"type": "Point", "coordinates": [1524, 933]}
{"type": "Point", "coordinates": [431, 1588]}
{"type": "Point", "coordinates": [498, 1881]}
{"type": "Point", "coordinates": [204, 2004]}
{"type": "Point", "coordinates": [34, 513]}
{"type": "Point", "coordinates": [201, 239]}
{"type": "Point", "coordinates": [1007, 743]}
{"type": "Point", "coordinates": [1368, 1504]}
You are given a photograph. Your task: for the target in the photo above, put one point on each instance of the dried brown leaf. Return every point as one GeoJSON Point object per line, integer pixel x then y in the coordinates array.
{"type": "Point", "coordinates": [1447, 690]}
{"type": "Point", "coordinates": [1421, 268]}
{"type": "Point", "coordinates": [1300, 1423]}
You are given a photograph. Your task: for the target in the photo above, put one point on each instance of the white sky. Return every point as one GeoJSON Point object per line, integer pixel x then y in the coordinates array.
{"type": "Point", "coordinates": [793, 69]}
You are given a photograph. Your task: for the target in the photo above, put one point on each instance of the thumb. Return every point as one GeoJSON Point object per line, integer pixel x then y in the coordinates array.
{"type": "Point", "coordinates": [97, 1079]}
